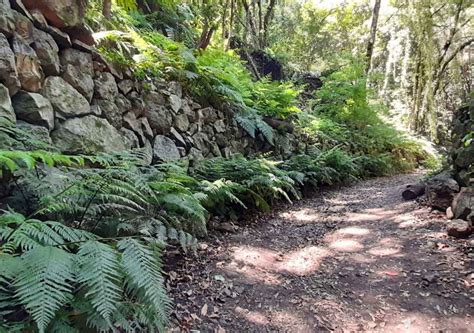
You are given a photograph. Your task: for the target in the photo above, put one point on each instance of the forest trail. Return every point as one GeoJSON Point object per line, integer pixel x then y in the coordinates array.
{"type": "Point", "coordinates": [357, 258]}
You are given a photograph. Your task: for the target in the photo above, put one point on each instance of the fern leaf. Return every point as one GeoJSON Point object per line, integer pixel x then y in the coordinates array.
{"type": "Point", "coordinates": [143, 277]}
{"type": "Point", "coordinates": [99, 273]}
{"type": "Point", "coordinates": [44, 284]}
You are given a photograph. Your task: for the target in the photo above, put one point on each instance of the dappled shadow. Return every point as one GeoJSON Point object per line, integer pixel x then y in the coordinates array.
{"type": "Point", "coordinates": [354, 259]}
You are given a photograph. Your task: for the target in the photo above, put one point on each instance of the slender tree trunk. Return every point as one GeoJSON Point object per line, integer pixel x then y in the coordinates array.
{"type": "Point", "coordinates": [231, 24]}
{"type": "Point", "coordinates": [107, 9]}
{"type": "Point", "coordinates": [373, 33]}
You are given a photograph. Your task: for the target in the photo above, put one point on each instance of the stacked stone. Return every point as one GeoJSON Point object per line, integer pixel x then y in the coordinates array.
{"type": "Point", "coordinates": [54, 82]}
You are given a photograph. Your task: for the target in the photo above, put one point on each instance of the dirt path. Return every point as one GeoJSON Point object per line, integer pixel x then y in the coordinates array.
{"type": "Point", "coordinates": [350, 259]}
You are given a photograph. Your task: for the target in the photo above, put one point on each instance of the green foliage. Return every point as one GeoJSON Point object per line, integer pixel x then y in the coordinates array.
{"type": "Point", "coordinates": [53, 271]}
{"type": "Point", "coordinates": [261, 179]}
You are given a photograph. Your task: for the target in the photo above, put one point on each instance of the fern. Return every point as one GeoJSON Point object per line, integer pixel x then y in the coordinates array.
{"type": "Point", "coordinates": [143, 278]}
{"type": "Point", "coordinates": [99, 273]}
{"type": "Point", "coordinates": [43, 285]}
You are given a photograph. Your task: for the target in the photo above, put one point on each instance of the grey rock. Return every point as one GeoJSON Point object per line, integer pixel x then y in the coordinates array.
{"type": "Point", "coordinates": [61, 38]}
{"type": "Point", "coordinates": [126, 86]}
{"type": "Point", "coordinates": [38, 19]}
{"type": "Point", "coordinates": [8, 72]}
{"type": "Point", "coordinates": [39, 133]}
{"type": "Point", "coordinates": [129, 138]}
{"type": "Point", "coordinates": [145, 126]}
{"type": "Point", "coordinates": [175, 88]}
{"type": "Point", "coordinates": [195, 154]}
{"type": "Point", "coordinates": [6, 108]}
{"type": "Point", "coordinates": [177, 136]}
{"type": "Point", "coordinates": [79, 80]}
{"type": "Point", "coordinates": [154, 99]}
{"type": "Point", "coordinates": [147, 153]}
{"type": "Point", "coordinates": [66, 101]}
{"type": "Point", "coordinates": [28, 66]}
{"type": "Point", "coordinates": [123, 103]}
{"type": "Point", "coordinates": [181, 122]}
{"type": "Point", "coordinates": [207, 115]}
{"type": "Point", "coordinates": [88, 135]}
{"type": "Point", "coordinates": [465, 156]}
{"type": "Point", "coordinates": [201, 142]}
{"type": "Point", "coordinates": [175, 103]}
{"type": "Point", "coordinates": [131, 122]}
{"type": "Point", "coordinates": [463, 203]}
{"type": "Point", "coordinates": [96, 110]}
{"type": "Point", "coordinates": [34, 108]}
{"type": "Point", "coordinates": [164, 150]}
{"type": "Point", "coordinates": [440, 190]}
{"type": "Point", "coordinates": [110, 111]}
{"type": "Point", "coordinates": [23, 27]}
{"type": "Point", "coordinates": [79, 59]}
{"type": "Point", "coordinates": [105, 86]}
{"type": "Point", "coordinates": [214, 150]}
{"type": "Point", "coordinates": [159, 120]}
{"type": "Point", "coordinates": [459, 228]}
{"type": "Point", "coordinates": [47, 51]}
{"type": "Point", "coordinates": [219, 126]}
{"type": "Point", "coordinates": [7, 21]}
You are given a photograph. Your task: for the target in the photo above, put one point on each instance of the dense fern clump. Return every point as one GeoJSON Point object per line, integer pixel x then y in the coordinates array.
{"type": "Point", "coordinates": [56, 277]}
{"type": "Point", "coordinates": [261, 178]}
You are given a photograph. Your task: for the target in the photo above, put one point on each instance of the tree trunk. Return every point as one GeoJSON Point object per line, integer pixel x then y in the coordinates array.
{"type": "Point", "coordinates": [107, 9]}
{"type": "Point", "coordinates": [373, 32]}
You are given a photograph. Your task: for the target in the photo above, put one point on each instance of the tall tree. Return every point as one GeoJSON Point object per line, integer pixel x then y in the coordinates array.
{"type": "Point", "coordinates": [373, 33]}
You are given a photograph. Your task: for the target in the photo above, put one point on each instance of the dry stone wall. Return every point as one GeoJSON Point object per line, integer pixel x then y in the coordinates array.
{"type": "Point", "coordinates": [54, 83]}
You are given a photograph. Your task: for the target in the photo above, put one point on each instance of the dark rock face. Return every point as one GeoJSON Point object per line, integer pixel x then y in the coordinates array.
{"type": "Point", "coordinates": [440, 190]}
{"type": "Point", "coordinates": [463, 149]}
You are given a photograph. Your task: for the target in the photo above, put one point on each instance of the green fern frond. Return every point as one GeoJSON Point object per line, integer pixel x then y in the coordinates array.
{"type": "Point", "coordinates": [143, 278]}
{"type": "Point", "coordinates": [98, 272]}
{"type": "Point", "coordinates": [43, 285]}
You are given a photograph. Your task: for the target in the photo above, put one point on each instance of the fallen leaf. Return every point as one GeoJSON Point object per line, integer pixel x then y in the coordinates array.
{"type": "Point", "coordinates": [204, 310]}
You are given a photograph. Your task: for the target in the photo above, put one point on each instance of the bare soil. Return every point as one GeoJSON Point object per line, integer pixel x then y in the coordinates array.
{"type": "Point", "coordinates": [354, 259]}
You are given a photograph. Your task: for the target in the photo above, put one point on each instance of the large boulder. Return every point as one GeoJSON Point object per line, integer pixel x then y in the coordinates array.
{"type": "Point", "coordinates": [463, 203]}
{"type": "Point", "coordinates": [81, 81]}
{"type": "Point", "coordinates": [34, 108]}
{"type": "Point", "coordinates": [79, 59]}
{"type": "Point", "coordinates": [105, 86]}
{"type": "Point", "coordinates": [6, 108]}
{"type": "Point", "coordinates": [164, 150]}
{"type": "Point", "coordinates": [47, 52]}
{"type": "Point", "coordinates": [66, 101]}
{"type": "Point", "coordinates": [28, 66]}
{"type": "Point", "coordinates": [440, 190]}
{"type": "Point", "coordinates": [8, 73]}
{"type": "Point", "coordinates": [87, 135]}
{"type": "Point", "coordinates": [459, 228]}
{"type": "Point", "coordinates": [61, 14]}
